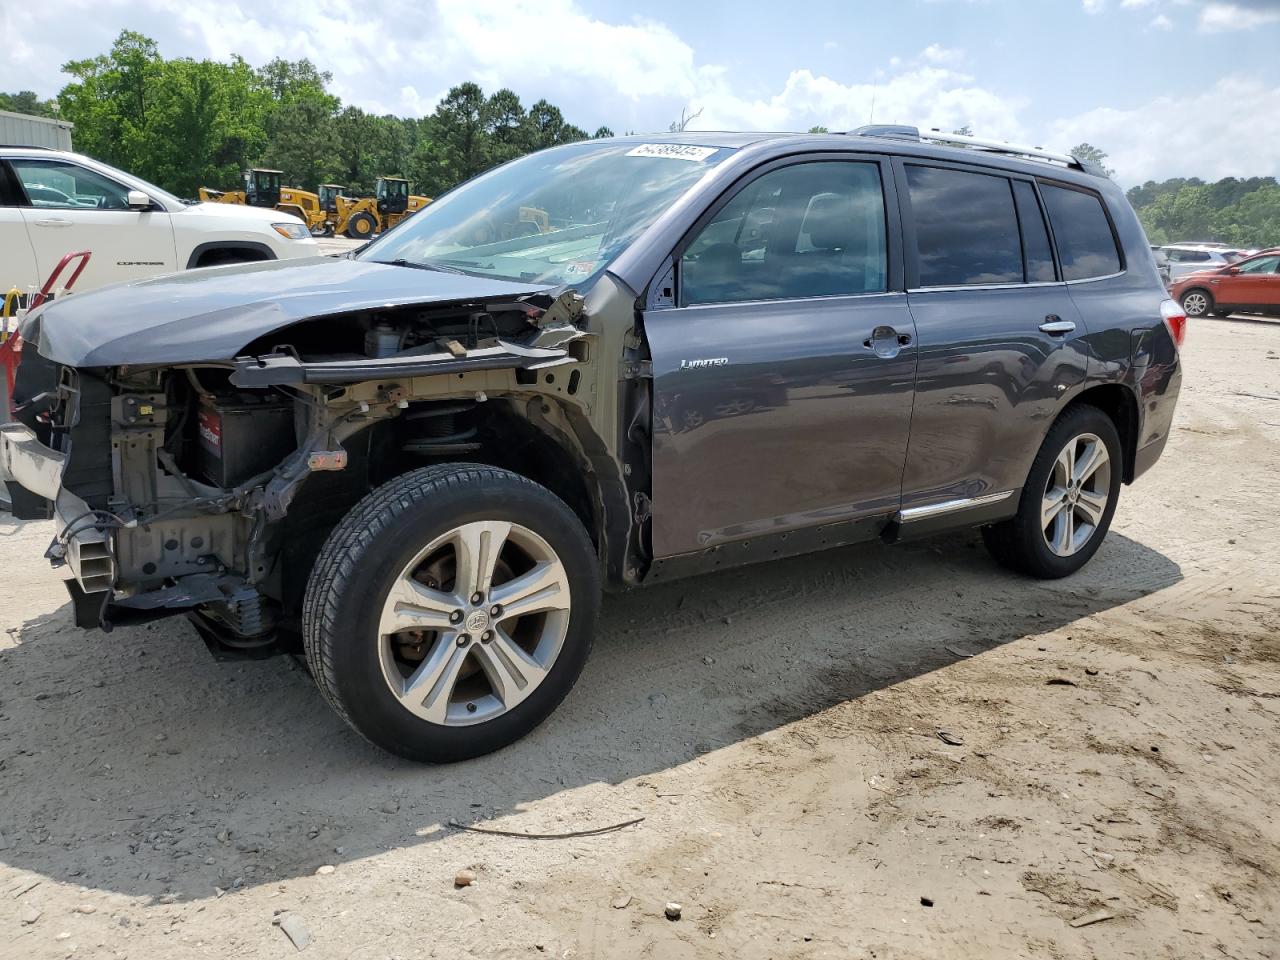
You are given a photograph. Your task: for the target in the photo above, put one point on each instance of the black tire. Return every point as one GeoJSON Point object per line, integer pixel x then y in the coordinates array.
{"type": "Point", "coordinates": [365, 554]}
{"type": "Point", "coordinates": [1020, 543]}
{"type": "Point", "coordinates": [362, 226]}
{"type": "Point", "coordinates": [1195, 309]}
{"type": "Point", "coordinates": [1222, 313]}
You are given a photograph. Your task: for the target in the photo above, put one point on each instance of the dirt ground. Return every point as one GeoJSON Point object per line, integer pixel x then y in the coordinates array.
{"type": "Point", "coordinates": [776, 728]}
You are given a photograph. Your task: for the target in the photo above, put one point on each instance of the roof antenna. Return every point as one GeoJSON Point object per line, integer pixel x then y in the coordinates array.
{"type": "Point", "coordinates": [871, 117]}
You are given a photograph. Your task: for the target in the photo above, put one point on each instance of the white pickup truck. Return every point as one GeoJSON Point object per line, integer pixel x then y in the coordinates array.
{"type": "Point", "coordinates": [53, 203]}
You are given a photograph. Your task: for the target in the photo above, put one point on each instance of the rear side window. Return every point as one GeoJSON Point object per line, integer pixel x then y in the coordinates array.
{"type": "Point", "coordinates": [966, 227]}
{"type": "Point", "coordinates": [1035, 235]}
{"type": "Point", "coordinates": [1086, 245]}
{"type": "Point", "coordinates": [808, 230]}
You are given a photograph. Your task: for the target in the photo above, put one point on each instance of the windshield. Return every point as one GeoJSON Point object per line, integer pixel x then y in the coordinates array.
{"type": "Point", "coordinates": [553, 217]}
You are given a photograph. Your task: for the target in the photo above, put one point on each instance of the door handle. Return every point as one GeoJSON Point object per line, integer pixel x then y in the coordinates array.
{"type": "Point", "coordinates": [53, 222]}
{"type": "Point", "coordinates": [1053, 324]}
{"type": "Point", "coordinates": [886, 342]}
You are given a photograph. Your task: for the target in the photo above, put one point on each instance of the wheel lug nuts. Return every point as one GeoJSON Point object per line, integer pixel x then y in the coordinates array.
{"type": "Point", "coordinates": [486, 636]}
{"type": "Point", "coordinates": [495, 610]}
{"type": "Point", "coordinates": [463, 639]}
{"type": "Point", "coordinates": [477, 598]}
{"type": "Point", "coordinates": [455, 617]}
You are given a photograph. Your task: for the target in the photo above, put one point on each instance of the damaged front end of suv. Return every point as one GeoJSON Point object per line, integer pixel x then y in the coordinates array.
{"type": "Point", "coordinates": [209, 485]}
{"type": "Point", "coordinates": [416, 463]}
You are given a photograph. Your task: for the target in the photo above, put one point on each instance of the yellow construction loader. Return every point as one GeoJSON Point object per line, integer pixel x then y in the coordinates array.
{"type": "Point", "coordinates": [363, 217]}
{"type": "Point", "coordinates": [262, 189]}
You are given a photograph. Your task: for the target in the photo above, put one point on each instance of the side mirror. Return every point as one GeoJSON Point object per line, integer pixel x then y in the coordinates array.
{"type": "Point", "coordinates": [1233, 270]}
{"type": "Point", "coordinates": [138, 200]}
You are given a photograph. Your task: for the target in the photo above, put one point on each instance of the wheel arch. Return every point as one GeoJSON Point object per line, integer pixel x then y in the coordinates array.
{"type": "Point", "coordinates": [1120, 404]}
{"type": "Point", "coordinates": [259, 251]}
{"type": "Point", "coordinates": [535, 437]}
{"type": "Point", "coordinates": [1211, 301]}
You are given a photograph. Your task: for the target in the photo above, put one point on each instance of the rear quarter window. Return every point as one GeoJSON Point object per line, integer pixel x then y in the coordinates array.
{"type": "Point", "coordinates": [1086, 245]}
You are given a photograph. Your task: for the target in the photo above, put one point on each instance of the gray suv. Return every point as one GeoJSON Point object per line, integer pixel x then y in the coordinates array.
{"type": "Point", "coordinates": [599, 366]}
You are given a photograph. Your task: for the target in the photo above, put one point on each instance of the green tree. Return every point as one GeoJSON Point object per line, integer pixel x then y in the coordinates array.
{"type": "Point", "coordinates": [503, 119]}
{"type": "Point", "coordinates": [188, 123]}
{"type": "Point", "coordinates": [602, 133]}
{"type": "Point", "coordinates": [299, 122]}
{"type": "Point", "coordinates": [28, 102]}
{"type": "Point", "coordinates": [819, 130]}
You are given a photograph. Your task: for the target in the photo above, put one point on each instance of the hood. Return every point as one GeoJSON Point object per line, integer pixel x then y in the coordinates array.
{"type": "Point", "coordinates": [214, 313]}
{"type": "Point", "coordinates": [236, 211]}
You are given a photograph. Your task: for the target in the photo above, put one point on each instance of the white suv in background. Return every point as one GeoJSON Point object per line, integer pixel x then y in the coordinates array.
{"type": "Point", "coordinates": [1187, 258]}
{"type": "Point", "coordinates": [53, 203]}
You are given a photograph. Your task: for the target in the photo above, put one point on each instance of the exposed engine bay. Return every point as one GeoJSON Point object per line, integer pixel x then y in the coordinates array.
{"type": "Point", "coordinates": [210, 487]}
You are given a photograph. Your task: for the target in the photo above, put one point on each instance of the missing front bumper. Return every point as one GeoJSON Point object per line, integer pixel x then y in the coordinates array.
{"type": "Point", "coordinates": [80, 542]}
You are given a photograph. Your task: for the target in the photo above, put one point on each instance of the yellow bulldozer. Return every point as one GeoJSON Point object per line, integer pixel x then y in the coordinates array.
{"type": "Point", "coordinates": [360, 218]}
{"type": "Point", "coordinates": [262, 189]}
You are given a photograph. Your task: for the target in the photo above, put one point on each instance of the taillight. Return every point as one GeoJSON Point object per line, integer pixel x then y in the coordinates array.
{"type": "Point", "coordinates": [1175, 318]}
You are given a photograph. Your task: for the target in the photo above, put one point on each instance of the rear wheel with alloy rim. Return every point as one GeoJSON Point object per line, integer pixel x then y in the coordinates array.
{"type": "Point", "coordinates": [1069, 498]}
{"type": "Point", "coordinates": [451, 611]}
{"type": "Point", "coordinates": [1197, 303]}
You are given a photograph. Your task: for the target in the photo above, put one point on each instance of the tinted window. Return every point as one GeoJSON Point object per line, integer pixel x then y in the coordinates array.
{"type": "Point", "coordinates": [1035, 235]}
{"type": "Point", "coordinates": [1086, 246]}
{"type": "Point", "coordinates": [54, 183]}
{"type": "Point", "coordinates": [809, 230]}
{"type": "Point", "coordinates": [1260, 265]}
{"type": "Point", "coordinates": [966, 228]}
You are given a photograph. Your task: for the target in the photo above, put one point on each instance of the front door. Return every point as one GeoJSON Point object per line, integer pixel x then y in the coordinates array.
{"type": "Point", "coordinates": [783, 372]}
{"type": "Point", "coordinates": [1255, 283]}
{"type": "Point", "coordinates": [71, 208]}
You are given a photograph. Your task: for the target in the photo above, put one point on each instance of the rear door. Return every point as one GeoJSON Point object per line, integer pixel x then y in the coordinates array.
{"type": "Point", "coordinates": [783, 370]}
{"type": "Point", "coordinates": [999, 336]}
{"type": "Point", "coordinates": [69, 207]}
{"type": "Point", "coordinates": [17, 258]}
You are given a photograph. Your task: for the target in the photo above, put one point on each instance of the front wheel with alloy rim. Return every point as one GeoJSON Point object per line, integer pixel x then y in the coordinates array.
{"type": "Point", "coordinates": [1068, 500]}
{"type": "Point", "coordinates": [451, 611]}
{"type": "Point", "coordinates": [1197, 303]}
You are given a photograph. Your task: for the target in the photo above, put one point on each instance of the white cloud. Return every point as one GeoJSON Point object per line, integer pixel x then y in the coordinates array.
{"type": "Point", "coordinates": [1136, 4]}
{"type": "Point", "coordinates": [1094, 6]}
{"type": "Point", "coordinates": [1161, 22]}
{"type": "Point", "coordinates": [1219, 17]}
{"type": "Point", "coordinates": [1235, 133]}
{"type": "Point", "coordinates": [937, 53]}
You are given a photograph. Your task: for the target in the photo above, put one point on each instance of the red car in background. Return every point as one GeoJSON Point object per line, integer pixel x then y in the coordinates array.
{"type": "Point", "coordinates": [1251, 285]}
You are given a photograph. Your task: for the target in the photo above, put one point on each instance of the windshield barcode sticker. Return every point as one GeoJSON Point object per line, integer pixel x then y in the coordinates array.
{"type": "Point", "coordinates": [673, 151]}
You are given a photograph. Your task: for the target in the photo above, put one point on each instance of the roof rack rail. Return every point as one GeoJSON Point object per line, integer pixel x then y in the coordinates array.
{"type": "Point", "coordinates": [896, 132]}
{"type": "Point", "coordinates": [25, 146]}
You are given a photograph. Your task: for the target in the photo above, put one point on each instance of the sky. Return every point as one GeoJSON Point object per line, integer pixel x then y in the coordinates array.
{"type": "Point", "coordinates": [1166, 87]}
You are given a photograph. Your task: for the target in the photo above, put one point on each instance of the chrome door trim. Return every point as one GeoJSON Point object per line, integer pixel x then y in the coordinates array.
{"type": "Point", "coordinates": [951, 506]}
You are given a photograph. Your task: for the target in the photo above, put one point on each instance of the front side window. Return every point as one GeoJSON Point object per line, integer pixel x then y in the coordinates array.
{"type": "Point", "coordinates": [1260, 265]}
{"type": "Point", "coordinates": [807, 230]}
{"type": "Point", "coordinates": [1086, 245]}
{"type": "Point", "coordinates": [966, 227]}
{"type": "Point", "coordinates": [553, 217]}
{"type": "Point", "coordinates": [65, 186]}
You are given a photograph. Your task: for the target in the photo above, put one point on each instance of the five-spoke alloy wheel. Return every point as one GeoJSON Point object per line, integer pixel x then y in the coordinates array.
{"type": "Point", "coordinates": [1067, 502]}
{"type": "Point", "coordinates": [1075, 498]}
{"type": "Point", "coordinates": [474, 623]}
{"type": "Point", "coordinates": [451, 611]}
